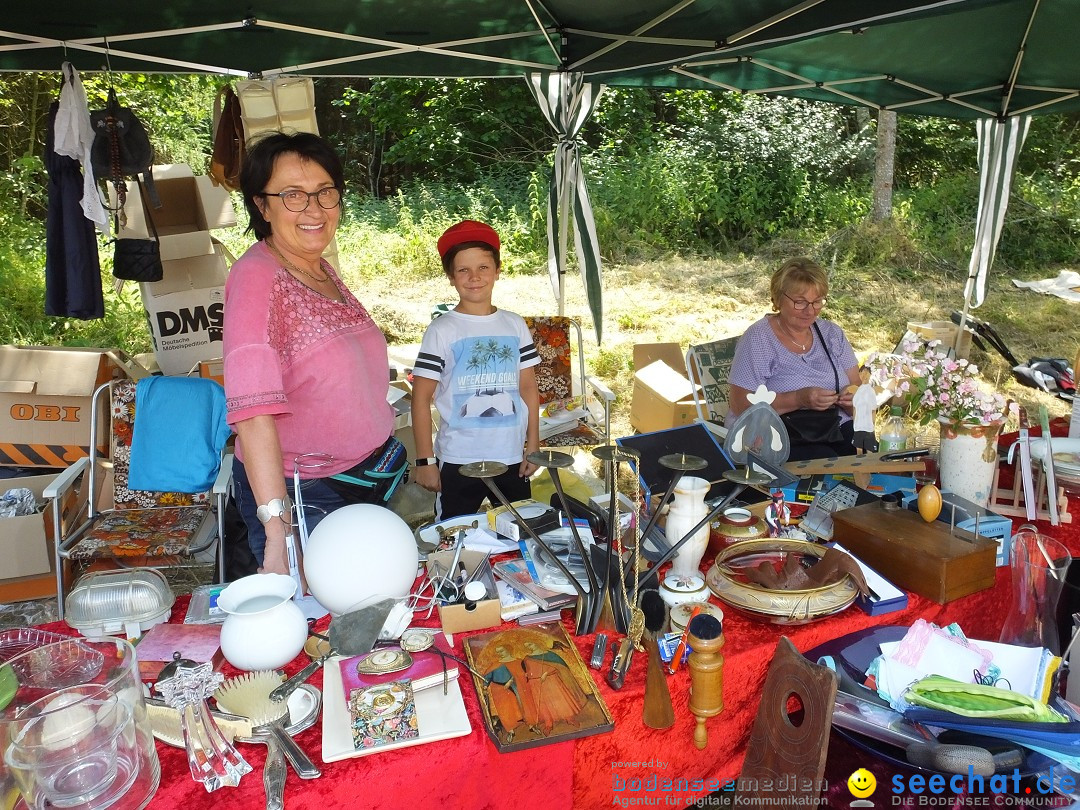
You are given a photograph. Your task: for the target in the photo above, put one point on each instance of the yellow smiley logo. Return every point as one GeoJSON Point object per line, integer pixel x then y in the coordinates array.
{"type": "Point", "coordinates": [862, 783]}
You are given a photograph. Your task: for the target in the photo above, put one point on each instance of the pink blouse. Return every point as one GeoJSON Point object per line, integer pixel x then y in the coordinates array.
{"type": "Point", "coordinates": [318, 366]}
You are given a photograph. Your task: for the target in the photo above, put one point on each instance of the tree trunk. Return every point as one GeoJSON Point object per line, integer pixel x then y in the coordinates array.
{"type": "Point", "coordinates": [884, 165]}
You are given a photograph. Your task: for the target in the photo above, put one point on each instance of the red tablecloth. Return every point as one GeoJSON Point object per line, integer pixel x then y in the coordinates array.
{"type": "Point", "coordinates": [592, 772]}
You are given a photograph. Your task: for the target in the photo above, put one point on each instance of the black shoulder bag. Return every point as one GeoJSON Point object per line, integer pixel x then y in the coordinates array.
{"type": "Point", "coordinates": [139, 259]}
{"type": "Point", "coordinates": [808, 426]}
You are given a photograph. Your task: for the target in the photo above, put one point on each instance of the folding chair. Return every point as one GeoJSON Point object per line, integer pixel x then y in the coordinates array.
{"type": "Point", "coordinates": [708, 366]}
{"type": "Point", "coordinates": [575, 407]}
{"type": "Point", "coordinates": [152, 528]}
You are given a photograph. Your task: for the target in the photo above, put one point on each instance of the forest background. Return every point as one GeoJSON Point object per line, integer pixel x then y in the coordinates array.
{"type": "Point", "coordinates": [698, 196]}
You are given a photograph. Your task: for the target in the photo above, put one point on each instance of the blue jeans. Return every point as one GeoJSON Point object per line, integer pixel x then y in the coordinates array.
{"type": "Point", "coordinates": [319, 501]}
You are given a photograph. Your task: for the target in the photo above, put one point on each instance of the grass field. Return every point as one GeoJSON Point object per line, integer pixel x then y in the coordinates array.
{"type": "Point", "coordinates": [692, 300]}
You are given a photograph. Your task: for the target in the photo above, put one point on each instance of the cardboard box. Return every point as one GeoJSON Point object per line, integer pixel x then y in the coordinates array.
{"type": "Point", "coordinates": [186, 309]}
{"type": "Point", "coordinates": [213, 370]}
{"type": "Point", "coordinates": [190, 208]}
{"type": "Point", "coordinates": [460, 618]}
{"type": "Point", "coordinates": [45, 401]}
{"type": "Point", "coordinates": [663, 397]}
{"type": "Point", "coordinates": [922, 557]}
{"type": "Point", "coordinates": [946, 332]}
{"type": "Point", "coordinates": [26, 545]}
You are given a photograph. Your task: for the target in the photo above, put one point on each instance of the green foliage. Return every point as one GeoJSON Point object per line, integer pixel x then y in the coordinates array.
{"type": "Point", "coordinates": [669, 172]}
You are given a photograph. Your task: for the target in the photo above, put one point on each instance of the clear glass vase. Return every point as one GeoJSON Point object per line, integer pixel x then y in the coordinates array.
{"type": "Point", "coordinates": [75, 733]}
{"type": "Point", "coordinates": [1038, 566]}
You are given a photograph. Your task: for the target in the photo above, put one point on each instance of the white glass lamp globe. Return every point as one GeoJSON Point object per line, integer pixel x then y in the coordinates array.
{"type": "Point", "coordinates": [359, 554]}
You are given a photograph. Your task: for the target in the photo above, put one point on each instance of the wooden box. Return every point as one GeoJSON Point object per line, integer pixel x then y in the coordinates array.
{"type": "Point", "coordinates": [919, 556]}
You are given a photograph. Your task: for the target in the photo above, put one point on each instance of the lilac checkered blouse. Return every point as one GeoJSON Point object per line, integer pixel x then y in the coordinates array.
{"type": "Point", "coordinates": [760, 357]}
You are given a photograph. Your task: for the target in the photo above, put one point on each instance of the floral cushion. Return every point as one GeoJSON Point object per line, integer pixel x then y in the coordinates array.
{"type": "Point", "coordinates": [554, 380]}
{"type": "Point", "coordinates": [143, 526]}
{"type": "Point", "coordinates": [157, 532]}
{"type": "Point", "coordinates": [551, 336]}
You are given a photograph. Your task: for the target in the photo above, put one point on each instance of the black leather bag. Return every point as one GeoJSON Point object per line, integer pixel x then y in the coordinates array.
{"type": "Point", "coordinates": [121, 148]}
{"type": "Point", "coordinates": [137, 260]}
{"type": "Point", "coordinates": [806, 426]}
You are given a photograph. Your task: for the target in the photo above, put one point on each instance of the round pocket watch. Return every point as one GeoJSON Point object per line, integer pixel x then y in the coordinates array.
{"type": "Point", "coordinates": [384, 661]}
{"type": "Point", "coordinates": [417, 639]}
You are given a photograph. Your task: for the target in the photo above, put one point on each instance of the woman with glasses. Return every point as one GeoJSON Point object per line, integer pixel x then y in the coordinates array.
{"type": "Point", "coordinates": [306, 368]}
{"type": "Point", "coordinates": [806, 361]}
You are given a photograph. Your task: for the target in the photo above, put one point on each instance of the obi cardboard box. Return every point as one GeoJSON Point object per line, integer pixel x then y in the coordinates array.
{"type": "Point", "coordinates": [45, 401]}
{"type": "Point", "coordinates": [190, 208]}
{"type": "Point", "coordinates": [26, 545]}
{"type": "Point", "coordinates": [185, 310]}
{"type": "Point", "coordinates": [663, 396]}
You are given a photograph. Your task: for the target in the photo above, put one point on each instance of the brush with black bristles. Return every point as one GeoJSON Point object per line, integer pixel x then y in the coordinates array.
{"type": "Point", "coordinates": [657, 711]}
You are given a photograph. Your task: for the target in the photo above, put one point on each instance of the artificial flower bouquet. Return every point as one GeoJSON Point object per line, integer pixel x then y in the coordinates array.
{"type": "Point", "coordinates": [933, 386]}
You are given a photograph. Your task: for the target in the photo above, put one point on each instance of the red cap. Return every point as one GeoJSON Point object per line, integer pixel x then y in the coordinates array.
{"type": "Point", "coordinates": [468, 230]}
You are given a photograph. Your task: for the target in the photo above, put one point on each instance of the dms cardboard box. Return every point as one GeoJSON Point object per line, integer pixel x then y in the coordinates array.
{"type": "Point", "coordinates": [26, 544]}
{"type": "Point", "coordinates": [190, 208]}
{"type": "Point", "coordinates": [45, 401]}
{"type": "Point", "coordinates": [185, 311]}
{"type": "Point", "coordinates": [663, 396]}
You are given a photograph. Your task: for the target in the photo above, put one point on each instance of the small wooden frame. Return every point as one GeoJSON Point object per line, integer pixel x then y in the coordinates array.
{"type": "Point", "coordinates": [1011, 501]}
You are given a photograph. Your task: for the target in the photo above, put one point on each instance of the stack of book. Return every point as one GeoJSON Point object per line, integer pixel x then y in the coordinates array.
{"type": "Point", "coordinates": [515, 573]}
{"type": "Point", "coordinates": [367, 713]}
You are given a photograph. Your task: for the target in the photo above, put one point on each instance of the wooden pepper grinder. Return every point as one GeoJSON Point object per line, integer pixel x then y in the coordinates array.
{"type": "Point", "coordinates": [706, 664]}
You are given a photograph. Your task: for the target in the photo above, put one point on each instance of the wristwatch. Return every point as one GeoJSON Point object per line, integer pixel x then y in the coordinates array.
{"type": "Point", "coordinates": [277, 508]}
{"type": "Point", "coordinates": [425, 462]}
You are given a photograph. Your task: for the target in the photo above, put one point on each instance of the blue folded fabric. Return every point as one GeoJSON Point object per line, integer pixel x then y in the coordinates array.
{"type": "Point", "coordinates": [178, 435]}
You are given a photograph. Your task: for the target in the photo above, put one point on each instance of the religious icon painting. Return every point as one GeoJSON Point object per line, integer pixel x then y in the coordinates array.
{"type": "Point", "coordinates": [534, 689]}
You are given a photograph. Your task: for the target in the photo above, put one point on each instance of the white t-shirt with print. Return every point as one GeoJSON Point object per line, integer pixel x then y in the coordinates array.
{"type": "Point", "coordinates": [477, 362]}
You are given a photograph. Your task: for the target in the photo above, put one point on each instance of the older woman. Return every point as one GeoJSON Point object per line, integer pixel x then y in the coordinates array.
{"type": "Point", "coordinates": [306, 369]}
{"type": "Point", "coordinates": [808, 363]}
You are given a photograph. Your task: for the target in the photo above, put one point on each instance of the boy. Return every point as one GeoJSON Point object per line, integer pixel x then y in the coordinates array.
{"type": "Point", "coordinates": [476, 363]}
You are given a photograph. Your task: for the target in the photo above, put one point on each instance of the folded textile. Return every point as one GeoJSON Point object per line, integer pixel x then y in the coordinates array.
{"type": "Point", "coordinates": [178, 435]}
{"type": "Point", "coordinates": [980, 701]}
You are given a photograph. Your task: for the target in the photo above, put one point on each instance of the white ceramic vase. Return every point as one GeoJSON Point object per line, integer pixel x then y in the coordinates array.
{"type": "Point", "coordinates": [967, 459]}
{"type": "Point", "coordinates": [264, 628]}
{"type": "Point", "coordinates": [687, 510]}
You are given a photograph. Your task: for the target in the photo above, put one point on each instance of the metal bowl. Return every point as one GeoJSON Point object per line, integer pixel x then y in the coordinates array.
{"type": "Point", "coordinates": [767, 604]}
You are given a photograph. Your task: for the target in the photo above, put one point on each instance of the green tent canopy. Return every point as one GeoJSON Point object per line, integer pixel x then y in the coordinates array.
{"type": "Point", "coordinates": [954, 58]}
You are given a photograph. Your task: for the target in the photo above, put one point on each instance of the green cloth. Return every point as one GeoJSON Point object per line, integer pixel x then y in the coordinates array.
{"type": "Point", "coordinates": [976, 700]}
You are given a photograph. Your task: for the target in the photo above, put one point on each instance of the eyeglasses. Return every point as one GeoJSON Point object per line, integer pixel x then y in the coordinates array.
{"type": "Point", "coordinates": [297, 201]}
{"type": "Point", "coordinates": [801, 303]}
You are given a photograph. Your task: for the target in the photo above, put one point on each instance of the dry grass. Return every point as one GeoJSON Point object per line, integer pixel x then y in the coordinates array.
{"type": "Point", "coordinates": [696, 300]}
